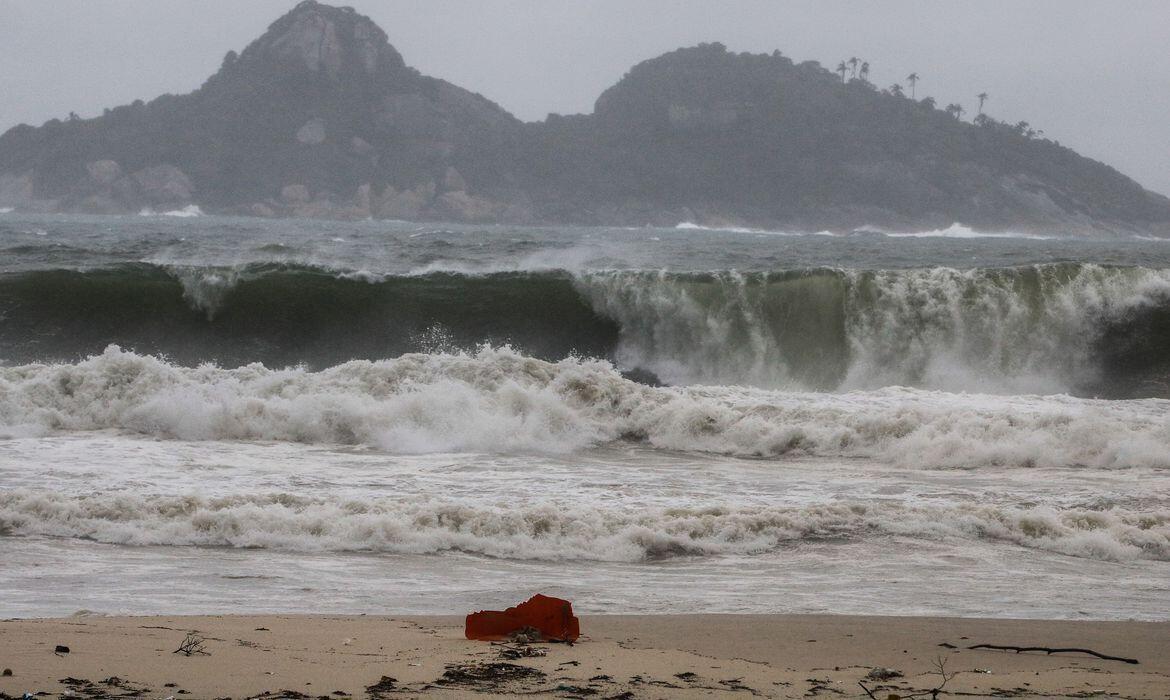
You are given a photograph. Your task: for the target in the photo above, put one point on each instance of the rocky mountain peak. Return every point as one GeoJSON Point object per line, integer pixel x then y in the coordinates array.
{"type": "Point", "coordinates": [322, 39]}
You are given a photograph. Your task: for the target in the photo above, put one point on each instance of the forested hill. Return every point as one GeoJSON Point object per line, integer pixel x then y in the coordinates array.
{"type": "Point", "coordinates": [321, 117]}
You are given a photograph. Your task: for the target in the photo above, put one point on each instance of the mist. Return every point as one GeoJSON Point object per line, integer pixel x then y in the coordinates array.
{"type": "Point", "coordinates": [1084, 72]}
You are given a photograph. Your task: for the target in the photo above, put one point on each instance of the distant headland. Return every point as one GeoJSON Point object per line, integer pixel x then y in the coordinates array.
{"type": "Point", "coordinates": [322, 118]}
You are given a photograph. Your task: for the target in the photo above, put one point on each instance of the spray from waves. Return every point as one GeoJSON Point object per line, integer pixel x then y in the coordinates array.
{"type": "Point", "coordinates": [1033, 329]}
{"type": "Point", "coordinates": [187, 212]}
{"type": "Point", "coordinates": [561, 531]}
{"type": "Point", "coordinates": [497, 400]}
{"type": "Point", "coordinates": [1076, 328]}
{"type": "Point", "coordinates": [691, 226]}
{"type": "Point", "coordinates": [957, 231]}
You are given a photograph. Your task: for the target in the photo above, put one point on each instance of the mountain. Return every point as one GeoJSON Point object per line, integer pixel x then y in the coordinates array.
{"type": "Point", "coordinates": [321, 117]}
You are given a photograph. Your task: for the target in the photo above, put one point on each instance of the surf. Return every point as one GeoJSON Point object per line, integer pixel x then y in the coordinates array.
{"type": "Point", "coordinates": [1085, 329]}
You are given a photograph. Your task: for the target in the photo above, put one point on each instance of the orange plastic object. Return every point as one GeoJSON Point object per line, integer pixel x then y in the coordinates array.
{"type": "Point", "coordinates": [553, 617]}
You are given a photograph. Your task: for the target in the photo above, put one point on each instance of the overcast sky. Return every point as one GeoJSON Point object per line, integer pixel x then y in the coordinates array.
{"type": "Point", "coordinates": [1093, 75]}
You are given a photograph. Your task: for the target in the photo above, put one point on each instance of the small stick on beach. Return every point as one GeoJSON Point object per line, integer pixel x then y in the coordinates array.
{"type": "Point", "coordinates": [192, 644]}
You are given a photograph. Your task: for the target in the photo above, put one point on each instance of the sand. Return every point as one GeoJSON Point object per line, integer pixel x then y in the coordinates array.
{"type": "Point", "coordinates": [618, 657]}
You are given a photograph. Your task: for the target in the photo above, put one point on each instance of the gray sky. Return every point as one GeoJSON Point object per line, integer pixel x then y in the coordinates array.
{"type": "Point", "coordinates": [1092, 74]}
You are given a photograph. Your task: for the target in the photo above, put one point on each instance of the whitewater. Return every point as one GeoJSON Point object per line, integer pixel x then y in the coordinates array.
{"type": "Point", "coordinates": [230, 415]}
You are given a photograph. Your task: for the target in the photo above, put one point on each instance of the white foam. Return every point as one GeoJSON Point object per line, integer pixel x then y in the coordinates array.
{"type": "Point", "coordinates": [498, 400]}
{"type": "Point", "coordinates": [955, 230]}
{"type": "Point", "coordinates": [552, 529]}
{"type": "Point", "coordinates": [691, 226]}
{"type": "Point", "coordinates": [189, 211]}
{"type": "Point", "coordinates": [1025, 330]}
{"type": "Point", "coordinates": [6, 210]}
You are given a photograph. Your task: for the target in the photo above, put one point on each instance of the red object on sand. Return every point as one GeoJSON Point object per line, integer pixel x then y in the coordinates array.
{"type": "Point", "coordinates": [553, 617]}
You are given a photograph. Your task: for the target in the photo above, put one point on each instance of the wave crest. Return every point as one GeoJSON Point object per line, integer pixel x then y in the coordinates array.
{"type": "Point", "coordinates": [561, 531]}
{"type": "Point", "coordinates": [497, 399]}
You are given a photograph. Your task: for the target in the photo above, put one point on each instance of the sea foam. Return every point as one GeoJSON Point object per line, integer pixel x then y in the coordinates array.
{"type": "Point", "coordinates": [499, 400]}
{"type": "Point", "coordinates": [553, 530]}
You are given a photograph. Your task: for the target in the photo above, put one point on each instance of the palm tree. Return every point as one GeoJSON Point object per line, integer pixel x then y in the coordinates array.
{"type": "Point", "coordinates": [865, 71]}
{"type": "Point", "coordinates": [853, 64]}
{"type": "Point", "coordinates": [841, 68]}
{"type": "Point", "coordinates": [982, 98]}
{"type": "Point", "coordinates": [955, 110]}
{"type": "Point", "coordinates": [896, 90]}
{"type": "Point", "coordinates": [913, 80]}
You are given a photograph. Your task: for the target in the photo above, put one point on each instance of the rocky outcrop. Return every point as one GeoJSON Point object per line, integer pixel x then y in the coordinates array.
{"type": "Point", "coordinates": [312, 132]}
{"type": "Point", "coordinates": [164, 186]}
{"type": "Point", "coordinates": [104, 172]}
{"type": "Point", "coordinates": [329, 41]}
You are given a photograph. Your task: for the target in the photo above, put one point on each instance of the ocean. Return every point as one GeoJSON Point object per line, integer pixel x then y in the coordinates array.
{"type": "Point", "coordinates": [218, 415]}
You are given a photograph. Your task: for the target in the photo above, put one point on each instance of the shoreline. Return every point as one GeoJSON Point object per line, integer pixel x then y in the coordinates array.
{"type": "Point", "coordinates": [618, 656]}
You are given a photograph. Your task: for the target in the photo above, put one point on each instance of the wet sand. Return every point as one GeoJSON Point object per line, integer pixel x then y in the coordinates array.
{"type": "Point", "coordinates": [663, 656]}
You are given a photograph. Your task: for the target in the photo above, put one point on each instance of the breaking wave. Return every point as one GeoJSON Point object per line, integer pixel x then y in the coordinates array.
{"type": "Point", "coordinates": [562, 531]}
{"type": "Point", "coordinates": [958, 231]}
{"type": "Point", "coordinates": [498, 400]}
{"type": "Point", "coordinates": [1054, 328]}
{"type": "Point", "coordinates": [187, 212]}
{"type": "Point", "coordinates": [692, 226]}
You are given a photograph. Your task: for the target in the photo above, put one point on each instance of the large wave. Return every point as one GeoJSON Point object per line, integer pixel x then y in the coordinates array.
{"type": "Point", "coordinates": [499, 400]}
{"type": "Point", "coordinates": [557, 530]}
{"type": "Point", "coordinates": [1078, 328]}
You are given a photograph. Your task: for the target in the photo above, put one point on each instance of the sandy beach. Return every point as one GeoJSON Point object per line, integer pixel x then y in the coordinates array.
{"type": "Point", "coordinates": [773, 656]}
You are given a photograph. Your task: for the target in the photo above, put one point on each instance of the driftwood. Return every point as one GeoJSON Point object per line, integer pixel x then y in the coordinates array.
{"type": "Point", "coordinates": [192, 644]}
{"type": "Point", "coordinates": [940, 668]}
{"type": "Point", "coordinates": [1053, 650]}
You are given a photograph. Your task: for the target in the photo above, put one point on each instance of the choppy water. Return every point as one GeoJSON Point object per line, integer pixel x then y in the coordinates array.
{"type": "Point", "coordinates": [203, 414]}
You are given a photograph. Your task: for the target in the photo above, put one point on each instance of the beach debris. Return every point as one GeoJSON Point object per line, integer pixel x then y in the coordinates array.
{"type": "Point", "coordinates": [191, 644]}
{"type": "Point", "coordinates": [948, 645]}
{"type": "Point", "coordinates": [541, 618]}
{"type": "Point", "coordinates": [6, 672]}
{"type": "Point", "coordinates": [525, 635]}
{"type": "Point", "coordinates": [576, 690]}
{"type": "Point", "coordinates": [818, 686]}
{"type": "Point", "coordinates": [489, 676]}
{"type": "Point", "coordinates": [883, 674]}
{"type": "Point", "coordinates": [61, 649]}
{"type": "Point", "coordinates": [80, 687]}
{"type": "Point", "coordinates": [686, 676]}
{"type": "Point", "coordinates": [737, 684]}
{"type": "Point", "coordinates": [940, 668]}
{"type": "Point", "coordinates": [1054, 650]}
{"type": "Point", "coordinates": [385, 684]}
{"type": "Point", "coordinates": [521, 651]}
